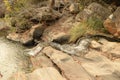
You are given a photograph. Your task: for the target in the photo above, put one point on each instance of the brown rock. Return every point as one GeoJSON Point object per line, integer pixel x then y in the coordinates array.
{"type": "Point", "coordinates": [112, 48]}
{"type": "Point", "coordinates": [48, 73]}
{"type": "Point", "coordinates": [112, 24]}
{"type": "Point", "coordinates": [41, 61]}
{"type": "Point", "coordinates": [28, 36]}
{"type": "Point", "coordinates": [70, 69]}
{"type": "Point", "coordinates": [100, 66]}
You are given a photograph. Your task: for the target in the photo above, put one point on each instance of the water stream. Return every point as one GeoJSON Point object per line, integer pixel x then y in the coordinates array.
{"type": "Point", "coordinates": [12, 58]}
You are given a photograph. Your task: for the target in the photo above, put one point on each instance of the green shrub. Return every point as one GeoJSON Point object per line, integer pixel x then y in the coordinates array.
{"type": "Point", "coordinates": [92, 26]}
{"type": "Point", "coordinates": [77, 31]}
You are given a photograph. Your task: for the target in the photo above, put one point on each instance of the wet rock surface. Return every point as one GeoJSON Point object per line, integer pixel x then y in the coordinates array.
{"type": "Point", "coordinates": [12, 59]}
{"type": "Point", "coordinates": [53, 56]}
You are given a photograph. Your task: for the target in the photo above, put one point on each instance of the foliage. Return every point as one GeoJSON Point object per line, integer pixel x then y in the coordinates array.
{"type": "Point", "coordinates": [77, 31]}
{"type": "Point", "coordinates": [92, 26]}
{"type": "Point", "coordinates": [14, 6]}
{"type": "Point", "coordinates": [7, 4]}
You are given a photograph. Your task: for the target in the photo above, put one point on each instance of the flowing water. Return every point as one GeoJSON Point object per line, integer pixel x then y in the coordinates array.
{"type": "Point", "coordinates": [12, 58]}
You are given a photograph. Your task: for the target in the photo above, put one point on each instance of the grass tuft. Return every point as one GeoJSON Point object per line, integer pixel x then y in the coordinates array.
{"type": "Point", "coordinates": [92, 26]}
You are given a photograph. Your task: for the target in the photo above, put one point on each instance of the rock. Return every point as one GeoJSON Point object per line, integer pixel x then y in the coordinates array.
{"type": "Point", "coordinates": [34, 51]}
{"type": "Point", "coordinates": [32, 16]}
{"type": "Point", "coordinates": [46, 14]}
{"type": "Point", "coordinates": [28, 36]}
{"type": "Point", "coordinates": [48, 73]}
{"type": "Point", "coordinates": [69, 49]}
{"type": "Point", "coordinates": [41, 61]}
{"type": "Point", "coordinates": [24, 38]}
{"type": "Point", "coordinates": [95, 45]}
{"type": "Point", "coordinates": [100, 66]}
{"type": "Point", "coordinates": [74, 8]}
{"type": "Point", "coordinates": [14, 37]}
{"type": "Point", "coordinates": [94, 9]}
{"type": "Point", "coordinates": [99, 10]}
{"type": "Point", "coordinates": [37, 31]}
{"type": "Point", "coordinates": [44, 73]}
{"type": "Point", "coordinates": [81, 48]}
{"type": "Point", "coordinates": [113, 22]}
{"type": "Point", "coordinates": [83, 15]}
{"type": "Point", "coordinates": [59, 31]}
{"type": "Point", "coordinates": [62, 39]}
{"type": "Point", "coordinates": [112, 48]}
{"type": "Point", "coordinates": [69, 68]}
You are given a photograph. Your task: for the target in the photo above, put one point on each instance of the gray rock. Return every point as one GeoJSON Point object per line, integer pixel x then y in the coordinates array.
{"type": "Point", "coordinates": [94, 9]}
{"type": "Point", "coordinates": [73, 49]}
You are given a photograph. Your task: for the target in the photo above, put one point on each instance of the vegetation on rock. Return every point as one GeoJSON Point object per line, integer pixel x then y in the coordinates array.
{"type": "Point", "coordinates": [91, 26]}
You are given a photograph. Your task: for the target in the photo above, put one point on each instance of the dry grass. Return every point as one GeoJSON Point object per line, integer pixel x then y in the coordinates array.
{"type": "Point", "coordinates": [91, 26]}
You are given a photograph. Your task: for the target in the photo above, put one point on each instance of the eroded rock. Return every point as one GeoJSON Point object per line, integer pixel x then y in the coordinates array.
{"type": "Point", "coordinates": [28, 36]}
{"type": "Point", "coordinates": [112, 24]}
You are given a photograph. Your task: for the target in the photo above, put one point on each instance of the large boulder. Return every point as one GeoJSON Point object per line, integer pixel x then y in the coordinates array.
{"type": "Point", "coordinates": [94, 9]}
{"type": "Point", "coordinates": [112, 24]}
{"type": "Point", "coordinates": [59, 31]}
